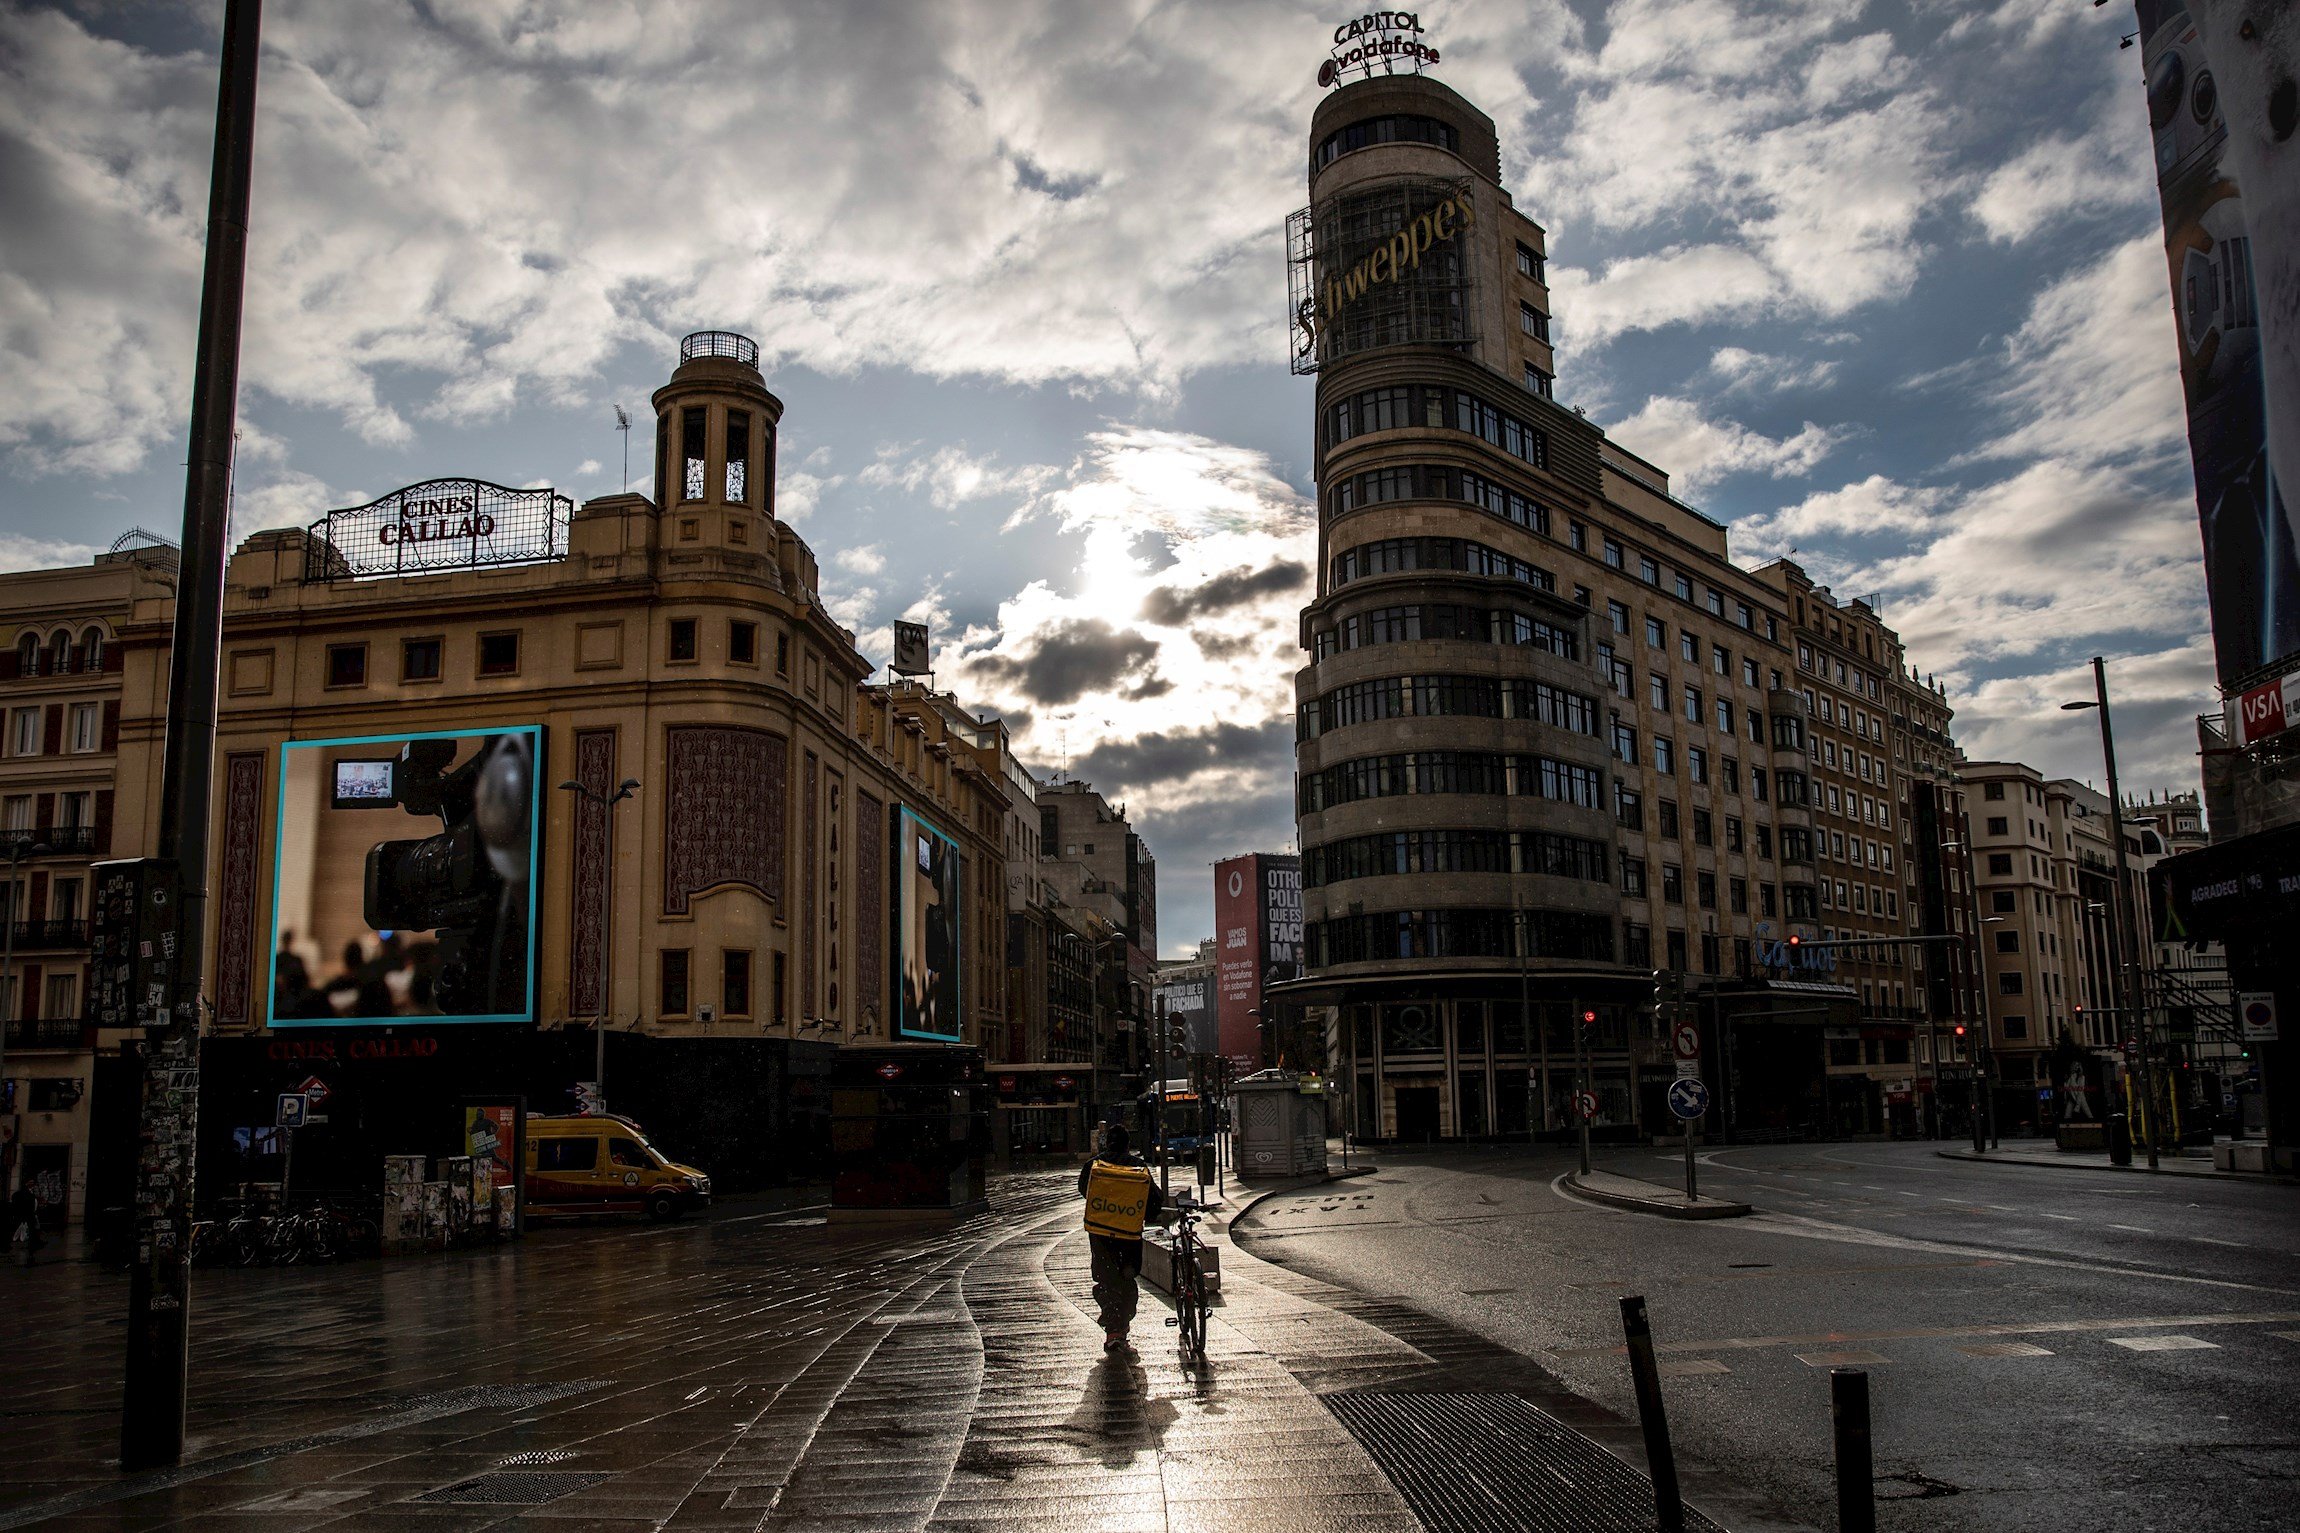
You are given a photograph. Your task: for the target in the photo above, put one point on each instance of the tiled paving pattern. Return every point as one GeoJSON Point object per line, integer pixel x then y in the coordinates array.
{"type": "Point", "coordinates": [762, 1374]}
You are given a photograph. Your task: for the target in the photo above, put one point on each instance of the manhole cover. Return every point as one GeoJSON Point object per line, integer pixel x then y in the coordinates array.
{"type": "Point", "coordinates": [1489, 1463]}
{"type": "Point", "coordinates": [518, 1487]}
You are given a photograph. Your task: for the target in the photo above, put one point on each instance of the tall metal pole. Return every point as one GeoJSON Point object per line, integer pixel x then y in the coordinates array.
{"type": "Point", "coordinates": [1587, 1086]}
{"type": "Point", "coordinates": [159, 1293]}
{"type": "Point", "coordinates": [1158, 1095]}
{"type": "Point", "coordinates": [2127, 975]}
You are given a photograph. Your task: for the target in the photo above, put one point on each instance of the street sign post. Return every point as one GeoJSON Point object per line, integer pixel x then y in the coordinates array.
{"type": "Point", "coordinates": [1685, 1038]}
{"type": "Point", "coordinates": [1585, 1103]}
{"type": "Point", "coordinates": [2256, 1012]}
{"type": "Point", "coordinates": [1688, 1099]}
{"type": "Point", "coordinates": [291, 1110]}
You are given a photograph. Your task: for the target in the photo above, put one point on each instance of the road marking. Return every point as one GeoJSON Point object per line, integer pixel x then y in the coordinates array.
{"type": "Point", "coordinates": [2065, 1218]}
{"type": "Point", "coordinates": [1822, 1229]}
{"type": "Point", "coordinates": [1853, 1359]}
{"type": "Point", "coordinates": [2207, 1240]}
{"type": "Point", "coordinates": [1943, 1333]}
{"type": "Point", "coordinates": [2286, 1335]}
{"type": "Point", "coordinates": [2133, 1228]}
{"type": "Point", "coordinates": [2003, 1349]}
{"type": "Point", "coordinates": [1691, 1367]}
{"type": "Point", "coordinates": [2164, 1343]}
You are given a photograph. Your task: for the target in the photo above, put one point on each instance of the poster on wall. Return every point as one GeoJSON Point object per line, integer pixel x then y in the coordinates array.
{"type": "Point", "coordinates": [404, 882]}
{"type": "Point", "coordinates": [927, 896]}
{"type": "Point", "coordinates": [2219, 76]}
{"type": "Point", "coordinates": [1281, 918]}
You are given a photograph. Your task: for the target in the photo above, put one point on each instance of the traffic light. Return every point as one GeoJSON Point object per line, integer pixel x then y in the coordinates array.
{"type": "Point", "coordinates": [1588, 1018]}
{"type": "Point", "coordinates": [1795, 940]}
{"type": "Point", "coordinates": [1660, 998]}
{"type": "Point", "coordinates": [1960, 1029]}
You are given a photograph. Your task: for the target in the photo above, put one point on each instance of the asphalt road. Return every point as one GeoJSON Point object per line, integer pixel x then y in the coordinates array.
{"type": "Point", "coordinates": [2047, 1348]}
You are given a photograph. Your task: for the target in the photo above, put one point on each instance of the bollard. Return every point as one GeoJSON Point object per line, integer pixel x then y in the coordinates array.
{"type": "Point", "coordinates": [1645, 1374]}
{"type": "Point", "coordinates": [1849, 1419]}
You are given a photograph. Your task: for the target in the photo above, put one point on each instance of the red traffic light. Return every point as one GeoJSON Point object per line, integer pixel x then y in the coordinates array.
{"type": "Point", "coordinates": [1588, 1017]}
{"type": "Point", "coordinates": [1795, 940]}
{"type": "Point", "coordinates": [1960, 1029]}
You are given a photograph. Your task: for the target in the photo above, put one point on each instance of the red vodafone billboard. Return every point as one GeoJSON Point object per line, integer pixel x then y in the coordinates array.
{"type": "Point", "coordinates": [1238, 956]}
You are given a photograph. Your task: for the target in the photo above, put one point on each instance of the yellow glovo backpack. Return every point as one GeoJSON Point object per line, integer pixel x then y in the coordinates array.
{"type": "Point", "coordinates": [1117, 1200]}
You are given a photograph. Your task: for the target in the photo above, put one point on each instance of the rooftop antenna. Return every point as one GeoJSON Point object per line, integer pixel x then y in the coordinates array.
{"type": "Point", "coordinates": [623, 424]}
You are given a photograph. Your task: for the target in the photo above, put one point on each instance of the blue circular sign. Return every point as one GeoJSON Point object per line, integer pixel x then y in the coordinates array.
{"type": "Point", "coordinates": [1688, 1098]}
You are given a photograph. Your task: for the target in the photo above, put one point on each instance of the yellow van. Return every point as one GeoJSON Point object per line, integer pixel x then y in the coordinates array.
{"type": "Point", "coordinates": [604, 1165]}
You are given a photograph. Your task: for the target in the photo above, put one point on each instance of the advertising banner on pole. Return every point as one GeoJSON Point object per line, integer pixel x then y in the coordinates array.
{"type": "Point", "coordinates": [1238, 935]}
{"type": "Point", "coordinates": [2220, 116]}
{"type": "Point", "coordinates": [404, 885]}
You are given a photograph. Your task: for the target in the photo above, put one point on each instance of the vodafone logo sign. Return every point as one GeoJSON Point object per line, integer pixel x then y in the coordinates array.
{"type": "Point", "coordinates": [1237, 883]}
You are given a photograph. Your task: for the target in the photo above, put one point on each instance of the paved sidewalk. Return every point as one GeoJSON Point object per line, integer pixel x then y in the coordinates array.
{"type": "Point", "coordinates": [1650, 1197]}
{"type": "Point", "coordinates": [763, 1372]}
{"type": "Point", "coordinates": [2042, 1153]}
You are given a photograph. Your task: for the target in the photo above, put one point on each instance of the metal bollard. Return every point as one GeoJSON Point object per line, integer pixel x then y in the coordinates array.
{"type": "Point", "coordinates": [1668, 1506]}
{"type": "Point", "coordinates": [1849, 1420]}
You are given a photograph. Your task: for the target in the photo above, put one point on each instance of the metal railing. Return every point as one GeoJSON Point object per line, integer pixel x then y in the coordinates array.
{"type": "Point", "coordinates": [47, 1033]}
{"type": "Point", "coordinates": [720, 343]}
{"type": "Point", "coordinates": [35, 935]}
{"type": "Point", "coordinates": [54, 841]}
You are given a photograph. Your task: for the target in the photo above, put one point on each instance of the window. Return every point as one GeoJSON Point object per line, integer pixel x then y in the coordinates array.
{"type": "Point", "coordinates": [1617, 614]}
{"type": "Point", "coordinates": [1624, 743]}
{"type": "Point", "coordinates": [2008, 942]}
{"type": "Point", "coordinates": [1577, 535]}
{"type": "Point", "coordinates": [1696, 764]}
{"type": "Point", "coordinates": [692, 424]}
{"type": "Point", "coordinates": [1656, 633]}
{"type": "Point", "coordinates": [553, 1153]}
{"type": "Point", "coordinates": [2003, 902]}
{"type": "Point", "coordinates": [2009, 983]}
{"type": "Point", "coordinates": [1748, 672]}
{"type": "Point", "coordinates": [735, 982]}
{"type": "Point", "coordinates": [87, 730]}
{"type": "Point", "coordinates": [1705, 889]}
{"type": "Point", "coordinates": [782, 654]}
{"type": "Point", "coordinates": [1613, 553]}
{"type": "Point", "coordinates": [499, 654]}
{"type": "Point", "coordinates": [1657, 691]}
{"type": "Point", "coordinates": [1733, 833]}
{"type": "Point", "coordinates": [1765, 841]}
{"type": "Point", "coordinates": [1649, 569]}
{"type": "Point", "coordinates": [1994, 792]}
{"type": "Point", "coordinates": [682, 638]}
{"type": "Point", "coordinates": [419, 659]}
{"type": "Point", "coordinates": [1688, 649]}
{"type": "Point", "coordinates": [24, 733]}
{"type": "Point", "coordinates": [1668, 809]}
{"type": "Point", "coordinates": [1704, 828]}
{"type": "Point", "coordinates": [1672, 883]}
{"type": "Point", "coordinates": [673, 993]}
{"type": "Point", "coordinates": [2000, 864]}
{"type": "Point", "coordinates": [738, 457]}
{"type": "Point", "coordinates": [1725, 718]}
{"type": "Point", "coordinates": [1684, 587]}
{"type": "Point", "coordinates": [1737, 893]}
{"type": "Point", "coordinates": [1664, 755]}
{"type": "Point", "coordinates": [347, 665]}
{"type": "Point", "coordinates": [743, 643]}
{"type": "Point", "coordinates": [1999, 825]}
{"type": "Point", "coordinates": [1528, 263]}
{"type": "Point", "coordinates": [629, 1152]}
{"type": "Point", "coordinates": [1676, 950]}
{"type": "Point", "coordinates": [1768, 899]}
{"type": "Point", "coordinates": [1633, 876]}
{"type": "Point", "coordinates": [1628, 808]}
{"type": "Point", "coordinates": [1692, 705]}
{"type": "Point", "coordinates": [2016, 1027]}
{"type": "Point", "coordinates": [781, 982]}
{"type": "Point", "coordinates": [1732, 774]}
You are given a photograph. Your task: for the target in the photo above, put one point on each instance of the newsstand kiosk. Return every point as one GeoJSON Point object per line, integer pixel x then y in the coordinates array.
{"type": "Point", "coordinates": [910, 1132]}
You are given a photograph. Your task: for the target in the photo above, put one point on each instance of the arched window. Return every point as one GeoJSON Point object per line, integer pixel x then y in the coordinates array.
{"type": "Point", "coordinates": [92, 650]}
{"type": "Point", "coordinates": [59, 653]}
{"type": "Point", "coordinates": [28, 655]}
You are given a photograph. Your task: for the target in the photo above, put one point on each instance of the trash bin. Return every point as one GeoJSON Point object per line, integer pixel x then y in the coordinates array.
{"type": "Point", "coordinates": [2119, 1140]}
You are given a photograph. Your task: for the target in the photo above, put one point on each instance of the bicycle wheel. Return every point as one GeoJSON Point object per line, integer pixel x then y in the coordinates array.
{"type": "Point", "coordinates": [1189, 1302]}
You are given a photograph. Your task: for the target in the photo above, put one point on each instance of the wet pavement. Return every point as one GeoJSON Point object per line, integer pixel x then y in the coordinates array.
{"type": "Point", "coordinates": [772, 1371]}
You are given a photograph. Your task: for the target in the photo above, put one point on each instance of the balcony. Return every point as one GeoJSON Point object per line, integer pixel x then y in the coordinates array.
{"type": "Point", "coordinates": [47, 1033]}
{"type": "Point", "coordinates": [55, 841]}
{"type": "Point", "coordinates": [38, 936]}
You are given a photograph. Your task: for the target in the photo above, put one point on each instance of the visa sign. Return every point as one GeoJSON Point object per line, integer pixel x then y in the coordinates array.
{"type": "Point", "coordinates": [2266, 710]}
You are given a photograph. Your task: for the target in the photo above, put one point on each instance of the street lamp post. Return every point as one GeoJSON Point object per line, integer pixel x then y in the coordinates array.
{"type": "Point", "coordinates": [623, 790]}
{"type": "Point", "coordinates": [17, 849]}
{"type": "Point", "coordinates": [2126, 940]}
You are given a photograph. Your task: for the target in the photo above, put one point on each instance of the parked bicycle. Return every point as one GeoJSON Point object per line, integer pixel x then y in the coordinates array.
{"type": "Point", "coordinates": [1190, 1299]}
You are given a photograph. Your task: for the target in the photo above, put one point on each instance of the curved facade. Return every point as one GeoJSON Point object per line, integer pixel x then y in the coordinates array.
{"type": "Point", "coordinates": [1544, 745]}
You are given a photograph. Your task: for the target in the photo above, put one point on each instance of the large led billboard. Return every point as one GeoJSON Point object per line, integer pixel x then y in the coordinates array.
{"type": "Point", "coordinates": [927, 897]}
{"type": "Point", "coordinates": [2220, 114]}
{"type": "Point", "coordinates": [404, 885]}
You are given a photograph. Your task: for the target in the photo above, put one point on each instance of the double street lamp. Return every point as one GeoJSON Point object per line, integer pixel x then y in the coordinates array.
{"type": "Point", "coordinates": [2128, 986]}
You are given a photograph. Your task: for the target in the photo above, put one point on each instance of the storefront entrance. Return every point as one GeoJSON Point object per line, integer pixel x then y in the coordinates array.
{"type": "Point", "coordinates": [1417, 1114]}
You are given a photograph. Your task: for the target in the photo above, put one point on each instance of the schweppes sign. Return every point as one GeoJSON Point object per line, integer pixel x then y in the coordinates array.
{"type": "Point", "coordinates": [1387, 262]}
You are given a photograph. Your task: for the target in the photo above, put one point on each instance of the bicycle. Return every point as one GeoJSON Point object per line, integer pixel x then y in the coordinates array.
{"type": "Point", "coordinates": [1189, 1281]}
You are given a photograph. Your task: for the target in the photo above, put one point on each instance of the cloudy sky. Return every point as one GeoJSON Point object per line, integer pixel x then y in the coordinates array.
{"type": "Point", "coordinates": [1879, 282]}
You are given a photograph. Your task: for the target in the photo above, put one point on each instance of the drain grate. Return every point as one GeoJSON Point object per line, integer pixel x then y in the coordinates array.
{"type": "Point", "coordinates": [518, 1487]}
{"type": "Point", "coordinates": [536, 1458]}
{"type": "Point", "coordinates": [1488, 1463]}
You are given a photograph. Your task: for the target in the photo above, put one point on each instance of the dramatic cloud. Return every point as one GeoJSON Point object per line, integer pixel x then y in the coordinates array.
{"type": "Point", "coordinates": [1062, 663]}
{"type": "Point", "coordinates": [1232, 588]}
{"type": "Point", "coordinates": [1697, 451]}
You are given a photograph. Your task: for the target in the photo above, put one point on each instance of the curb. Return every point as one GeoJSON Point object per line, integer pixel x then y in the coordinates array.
{"type": "Point", "coordinates": [2256, 1178]}
{"type": "Point", "coordinates": [1666, 1207]}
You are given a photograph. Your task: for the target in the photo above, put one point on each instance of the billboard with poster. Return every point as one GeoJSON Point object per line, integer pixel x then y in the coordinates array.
{"type": "Point", "coordinates": [2219, 76]}
{"type": "Point", "coordinates": [928, 895]}
{"type": "Point", "coordinates": [404, 879]}
{"type": "Point", "coordinates": [1281, 917]}
{"type": "Point", "coordinates": [1238, 936]}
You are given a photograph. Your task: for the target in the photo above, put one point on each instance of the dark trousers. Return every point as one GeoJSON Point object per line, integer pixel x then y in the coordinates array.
{"type": "Point", "coordinates": [1116, 1265]}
